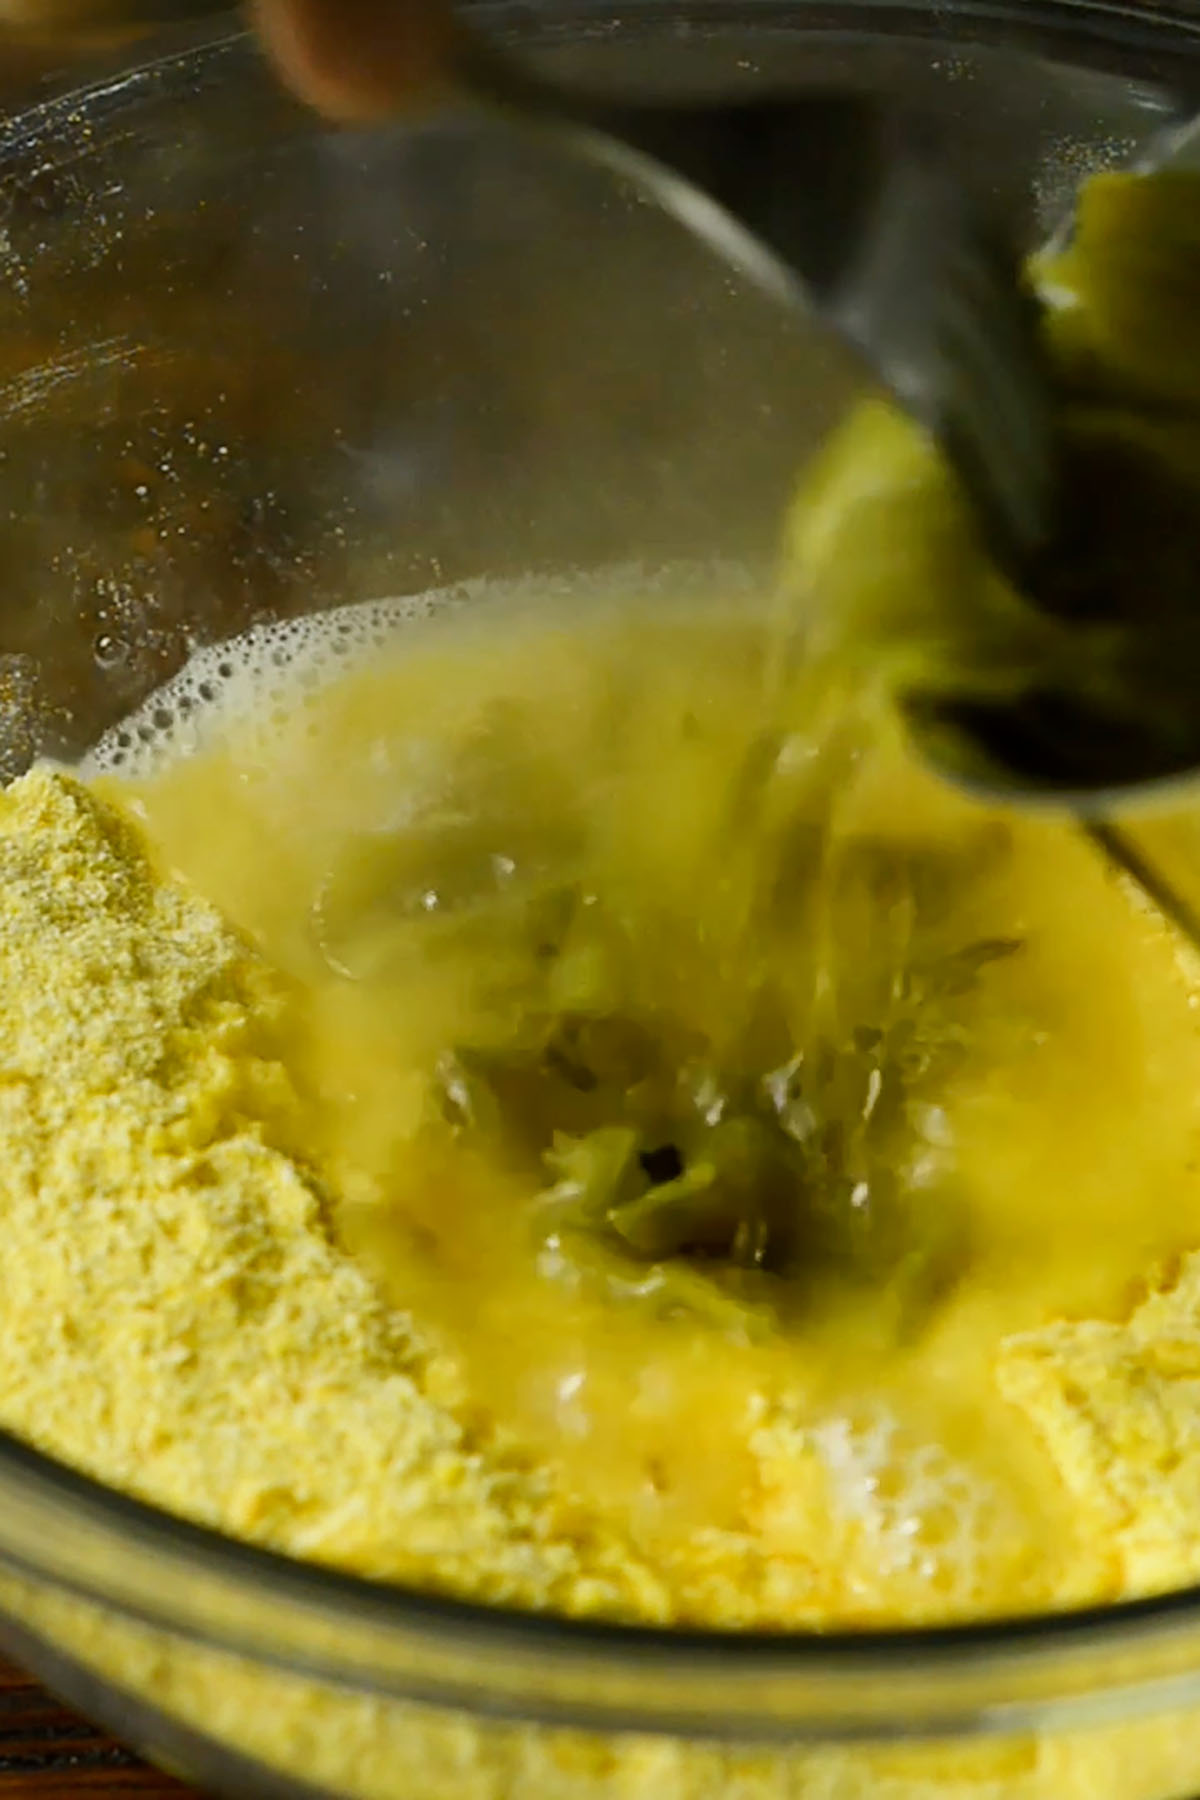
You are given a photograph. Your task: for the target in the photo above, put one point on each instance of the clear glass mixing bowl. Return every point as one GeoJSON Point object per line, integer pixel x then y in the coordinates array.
{"type": "Point", "coordinates": [249, 368]}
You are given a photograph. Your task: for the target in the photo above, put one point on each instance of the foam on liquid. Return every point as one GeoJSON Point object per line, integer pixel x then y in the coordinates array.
{"type": "Point", "coordinates": [255, 682]}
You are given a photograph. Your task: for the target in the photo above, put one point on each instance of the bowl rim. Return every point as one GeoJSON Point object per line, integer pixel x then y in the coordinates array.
{"type": "Point", "coordinates": [65, 1529]}
{"type": "Point", "coordinates": [987, 1678]}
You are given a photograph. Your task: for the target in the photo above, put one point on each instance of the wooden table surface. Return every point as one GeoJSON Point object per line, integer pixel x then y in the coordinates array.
{"type": "Point", "coordinates": [48, 1753]}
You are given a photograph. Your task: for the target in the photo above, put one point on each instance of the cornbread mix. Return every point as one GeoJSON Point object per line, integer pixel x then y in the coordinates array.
{"type": "Point", "coordinates": [554, 1106]}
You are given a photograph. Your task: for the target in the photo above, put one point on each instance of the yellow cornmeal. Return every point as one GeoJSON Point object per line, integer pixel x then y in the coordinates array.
{"type": "Point", "coordinates": [244, 1284]}
{"type": "Point", "coordinates": [185, 1320]}
{"type": "Point", "coordinates": [298, 1316]}
{"type": "Point", "coordinates": [176, 1320]}
{"type": "Point", "coordinates": [178, 1324]}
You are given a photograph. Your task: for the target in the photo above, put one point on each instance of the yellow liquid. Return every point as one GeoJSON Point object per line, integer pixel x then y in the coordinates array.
{"type": "Point", "coordinates": [876, 1456]}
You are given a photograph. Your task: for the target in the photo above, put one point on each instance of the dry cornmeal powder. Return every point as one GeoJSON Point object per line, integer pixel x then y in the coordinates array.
{"type": "Point", "coordinates": [177, 1321]}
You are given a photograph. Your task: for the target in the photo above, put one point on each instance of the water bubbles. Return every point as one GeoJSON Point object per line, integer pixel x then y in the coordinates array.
{"type": "Point", "coordinates": [266, 677]}
{"type": "Point", "coordinates": [110, 651]}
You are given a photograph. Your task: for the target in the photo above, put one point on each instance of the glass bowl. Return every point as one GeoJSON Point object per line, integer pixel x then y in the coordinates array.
{"type": "Point", "coordinates": [249, 368]}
